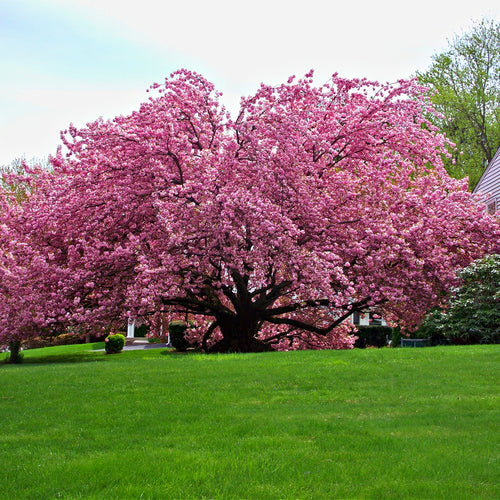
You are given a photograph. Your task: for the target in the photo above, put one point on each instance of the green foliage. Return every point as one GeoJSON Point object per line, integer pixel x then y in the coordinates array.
{"type": "Point", "coordinates": [473, 314]}
{"type": "Point", "coordinates": [156, 340]}
{"type": "Point", "coordinates": [114, 343]}
{"type": "Point", "coordinates": [427, 330]}
{"type": "Point", "coordinates": [373, 335]}
{"type": "Point", "coordinates": [432, 329]}
{"type": "Point", "coordinates": [429, 327]}
{"type": "Point", "coordinates": [396, 337]}
{"type": "Point", "coordinates": [465, 80]}
{"type": "Point", "coordinates": [18, 167]}
{"type": "Point", "coordinates": [177, 329]}
{"type": "Point", "coordinates": [141, 331]}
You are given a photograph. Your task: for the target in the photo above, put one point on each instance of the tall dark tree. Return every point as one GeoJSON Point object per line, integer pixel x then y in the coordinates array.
{"type": "Point", "coordinates": [465, 80]}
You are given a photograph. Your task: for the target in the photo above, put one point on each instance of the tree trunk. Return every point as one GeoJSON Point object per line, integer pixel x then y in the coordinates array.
{"type": "Point", "coordinates": [15, 354]}
{"type": "Point", "coordinates": [239, 335]}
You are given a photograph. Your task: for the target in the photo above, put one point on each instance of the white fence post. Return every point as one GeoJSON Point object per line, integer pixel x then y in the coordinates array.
{"type": "Point", "coordinates": [131, 329]}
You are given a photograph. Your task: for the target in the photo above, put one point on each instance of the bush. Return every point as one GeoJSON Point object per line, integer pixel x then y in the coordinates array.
{"type": "Point", "coordinates": [156, 340]}
{"type": "Point", "coordinates": [375, 335]}
{"type": "Point", "coordinates": [396, 337]}
{"type": "Point", "coordinates": [67, 339]}
{"type": "Point", "coordinates": [177, 329]}
{"type": "Point", "coordinates": [427, 330]}
{"type": "Point", "coordinates": [114, 343]}
{"type": "Point", "coordinates": [473, 312]}
{"type": "Point", "coordinates": [141, 331]}
{"type": "Point", "coordinates": [431, 329]}
{"type": "Point", "coordinates": [49, 341]}
{"type": "Point", "coordinates": [37, 342]}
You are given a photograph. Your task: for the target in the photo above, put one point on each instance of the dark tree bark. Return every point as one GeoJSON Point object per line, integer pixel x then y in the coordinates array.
{"type": "Point", "coordinates": [15, 352]}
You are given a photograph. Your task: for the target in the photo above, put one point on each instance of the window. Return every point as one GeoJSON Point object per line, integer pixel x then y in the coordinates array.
{"type": "Point", "coordinates": [491, 207]}
{"type": "Point", "coordinates": [369, 318]}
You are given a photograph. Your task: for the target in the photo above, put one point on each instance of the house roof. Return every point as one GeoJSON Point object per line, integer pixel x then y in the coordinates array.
{"type": "Point", "coordinates": [489, 183]}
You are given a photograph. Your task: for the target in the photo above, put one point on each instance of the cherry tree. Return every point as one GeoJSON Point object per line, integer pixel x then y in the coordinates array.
{"type": "Point", "coordinates": [269, 229]}
{"type": "Point", "coordinates": [24, 271]}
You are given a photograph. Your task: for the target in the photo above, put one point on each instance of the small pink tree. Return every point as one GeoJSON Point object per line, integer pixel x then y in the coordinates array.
{"type": "Point", "coordinates": [273, 228]}
{"type": "Point", "coordinates": [24, 272]}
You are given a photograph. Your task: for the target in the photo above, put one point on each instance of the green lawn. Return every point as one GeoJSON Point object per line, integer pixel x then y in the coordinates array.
{"type": "Point", "coordinates": [388, 423]}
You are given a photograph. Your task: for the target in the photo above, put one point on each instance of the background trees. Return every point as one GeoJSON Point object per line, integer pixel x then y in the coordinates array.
{"type": "Point", "coordinates": [18, 177]}
{"type": "Point", "coordinates": [270, 230]}
{"type": "Point", "coordinates": [466, 82]}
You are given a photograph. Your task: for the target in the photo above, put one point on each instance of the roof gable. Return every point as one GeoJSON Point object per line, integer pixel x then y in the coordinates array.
{"type": "Point", "coordinates": [489, 184]}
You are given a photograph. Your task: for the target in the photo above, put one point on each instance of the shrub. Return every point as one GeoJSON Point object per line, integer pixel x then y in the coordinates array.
{"type": "Point", "coordinates": [141, 331]}
{"type": "Point", "coordinates": [473, 312]}
{"type": "Point", "coordinates": [114, 343]}
{"type": "Point", "coordinates": [177, 329]}
{"type": "Point", "coordinates": [428, 329]}
{"type": "Point", "coordinates": [156, 340]}
{"type": "Point", "coordinates": [431, 329]}
{"type": "Point", "coordinates": [374, 335]}
{"type": "Point", "coordinates": [49, 341]}
{"type": "Point", "coordinates": [396, 337]}
{"type": "Point", "coordinates": [67, 339]}
{"type": "Point", "coordinates": [37, 342]}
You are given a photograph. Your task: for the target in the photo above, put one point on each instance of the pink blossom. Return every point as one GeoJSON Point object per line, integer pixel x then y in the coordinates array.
{"type": "Point", "coordinates": [269, 230]}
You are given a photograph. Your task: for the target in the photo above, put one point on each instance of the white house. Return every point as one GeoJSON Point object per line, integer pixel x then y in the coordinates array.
{"type": "Point", "coordinates": [489, 185]}
{"type": "Point", "coordinates": [368, 318]}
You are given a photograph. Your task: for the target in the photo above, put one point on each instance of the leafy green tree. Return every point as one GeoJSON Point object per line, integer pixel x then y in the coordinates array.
{"type": "Point", "coordinates": [17, 177]}
{"type": "Point", "coordinates": [473, 315]}
{"type": "Point", "coordinates": [465, 80]}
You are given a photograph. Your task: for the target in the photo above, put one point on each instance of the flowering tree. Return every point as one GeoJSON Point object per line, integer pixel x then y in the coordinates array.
{"type": "Point", "coordinates": [271, 229]}
{"type": "Point", "coordinates": [23, 270]}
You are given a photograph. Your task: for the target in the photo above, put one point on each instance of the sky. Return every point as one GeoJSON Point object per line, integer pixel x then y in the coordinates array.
{"type": "Point", "coordinates": [65, 62]}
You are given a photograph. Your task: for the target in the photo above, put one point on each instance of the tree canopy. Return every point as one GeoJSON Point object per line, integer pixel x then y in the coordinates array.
{"type": "Point", "coordinates": [269, 230]}
{"type": "Point", "coordinates": [465, 80]}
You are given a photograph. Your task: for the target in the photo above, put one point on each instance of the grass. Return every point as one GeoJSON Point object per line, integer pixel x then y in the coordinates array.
{"type": "Point", "coordinates": [387, 423]}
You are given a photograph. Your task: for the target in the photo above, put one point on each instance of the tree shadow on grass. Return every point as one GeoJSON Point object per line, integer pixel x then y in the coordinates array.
{"type": "Point", "coordinates": [69, 358]}
{"type": "Point", "coordinates": [64, 358]}
{"type": "Point", "coordinates": [174, 352]}
{"type": "Point", "coordinates": [41, 357]}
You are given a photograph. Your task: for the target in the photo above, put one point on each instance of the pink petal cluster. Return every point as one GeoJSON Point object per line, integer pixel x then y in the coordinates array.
{"type": "Point", "coordinates": [269, 229]}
